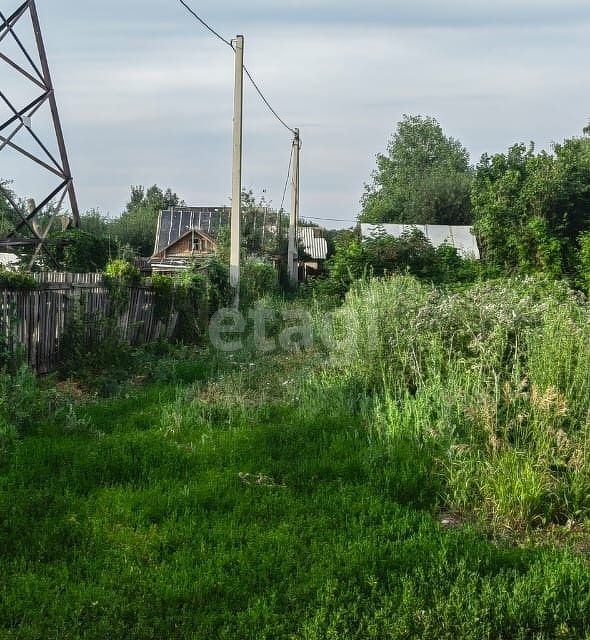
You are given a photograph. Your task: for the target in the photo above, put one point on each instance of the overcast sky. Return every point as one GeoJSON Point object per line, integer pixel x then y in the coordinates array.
{"type": "Point", "coordinates": [145, 93]}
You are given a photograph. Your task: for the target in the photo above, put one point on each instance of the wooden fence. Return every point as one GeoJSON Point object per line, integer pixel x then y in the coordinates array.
{"type": "Point", "coordinates": [36, 321]}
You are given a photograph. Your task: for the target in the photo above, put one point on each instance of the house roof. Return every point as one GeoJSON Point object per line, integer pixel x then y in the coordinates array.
{"type": "Point", "coordinates": [460, 237]}
{"type": "Point", "coordinates": [176, 222]}
{"type": "Point", "coordinates": [315, 247]}
{"type": "Point", "coordinates": [8, 259]}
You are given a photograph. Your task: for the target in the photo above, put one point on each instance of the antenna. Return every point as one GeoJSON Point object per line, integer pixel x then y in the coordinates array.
{"type": "Point", "coordinates": [32, 65]}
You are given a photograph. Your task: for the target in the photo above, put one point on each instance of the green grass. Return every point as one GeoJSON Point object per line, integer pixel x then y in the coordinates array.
{"type": "Point", "coordinates": [230, 506]}
{"type": "Point", "coordinates": [489, 388]}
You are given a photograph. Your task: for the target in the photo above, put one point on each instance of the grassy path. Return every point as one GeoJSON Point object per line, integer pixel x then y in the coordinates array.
{"type": "Point", "coordinates": [175, 514]}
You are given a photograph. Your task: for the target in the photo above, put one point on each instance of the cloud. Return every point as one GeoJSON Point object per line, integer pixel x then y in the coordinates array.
{"type": "Point", "coordinates": [521, 14]}
{"type": "Point", "coordinates": [145, 92]}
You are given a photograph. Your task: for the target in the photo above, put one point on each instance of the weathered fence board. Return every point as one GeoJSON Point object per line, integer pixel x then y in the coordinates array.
{"type": "Point", "coordinates": [36, 320]}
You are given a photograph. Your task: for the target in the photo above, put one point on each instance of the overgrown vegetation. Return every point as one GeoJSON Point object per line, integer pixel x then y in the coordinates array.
{"type": "Point", "coordinates": [258, 485]}
{"type": "Point", "coordinates": [423, 473]}
{"type": "Point", "coordinates": [486, 391]}
{"type": "Point", "coordinates": [16, 281]}
{"type": "Point", "coordinates": [383, 254]}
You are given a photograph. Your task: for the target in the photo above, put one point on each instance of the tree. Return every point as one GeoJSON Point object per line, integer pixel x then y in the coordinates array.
{"type": "Point", "coordinates": [8, 216]}
{"type": "Point", "coordinates": [531, 208]}
{"type": "Point", "coordinates": [78, 251]}
{"type": "Point", "coordinates": [137, 225]}
{"type": "Point", "coordinates": [424, 178]}
{"type": "Point", "coordinates": [95, 223]}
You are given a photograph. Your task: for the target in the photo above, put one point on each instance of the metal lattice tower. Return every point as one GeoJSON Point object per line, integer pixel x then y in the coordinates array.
{"type": "Point", "coordinates": [26, 230]}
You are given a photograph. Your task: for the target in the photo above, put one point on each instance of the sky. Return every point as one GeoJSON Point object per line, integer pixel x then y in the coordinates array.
{"type": "Point", "coordinates": [146, 93]}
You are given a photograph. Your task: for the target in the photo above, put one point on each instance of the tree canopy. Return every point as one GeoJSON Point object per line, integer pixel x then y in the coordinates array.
{"type": "Point", "coordinates": [423, 178]}
{"type": "Point", "coordinates": [7, 215]}
{"type": "Point", "coordinates": [531, 208]}
{"type": "Point", "coordinates": [136, 227]}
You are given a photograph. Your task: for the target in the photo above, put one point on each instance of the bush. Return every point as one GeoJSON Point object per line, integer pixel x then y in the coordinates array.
{"type": "Point", "coordinates": [123, 271]}
{"type": "Point", "coordinates": [23, 404]}
{"type": "Point", "coordinates": [219, 292]}
{"type": "Point", "coordinates": [191, 301]}
{"type": "Point", "coordinates": [81, 252]}
{"type": "Point", "coordinates": [411, 254]}
{"type": "Point", "coordinates": [258, 279]}
{"type": "Point", "coordinates": [490, 384]}
{"type": "Point", "coordinates": [16, 281]}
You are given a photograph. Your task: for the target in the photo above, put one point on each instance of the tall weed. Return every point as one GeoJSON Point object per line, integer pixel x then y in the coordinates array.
{"type": "Point", "coordinates": [489, 386]}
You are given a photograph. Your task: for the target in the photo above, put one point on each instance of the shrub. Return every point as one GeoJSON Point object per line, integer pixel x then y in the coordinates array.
{"type": "Point", "coordinates": [219, 292]}
{"type": "Point", "coordinates": [490, 384]}
{"type": "Point", "coordinates": [22, 401]}
{"type": "Point", "coordinates": [163, 287]}
{"type": "Point", "coordinates": [258, 279]}
{"type": "Point", "coordinates": [412, 254]}
{"type": "Point", "coordinates": [81, 252]}
{"type": "Point", "coordinates": [16, 281]}
{"type": "Point", "coordinates": [191, 301]}
{"type": "Point", "coordinates": [123, 271]}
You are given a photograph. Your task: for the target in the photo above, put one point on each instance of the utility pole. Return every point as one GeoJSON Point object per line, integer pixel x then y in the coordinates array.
{"type": "Point", "coordinates": [236, 202]}
{"type": "Point", "coordinates": [292, 262]}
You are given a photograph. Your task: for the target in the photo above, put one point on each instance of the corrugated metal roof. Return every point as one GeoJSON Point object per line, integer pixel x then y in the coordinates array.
{"type": "Point", "coordinates": [8, 259]}
{"type": "Point", "coordinates": [314, 245]}
{"type": "Point", "coordinates": [174, 223]}
{"type": "Point", "coordinates": [460, 237]}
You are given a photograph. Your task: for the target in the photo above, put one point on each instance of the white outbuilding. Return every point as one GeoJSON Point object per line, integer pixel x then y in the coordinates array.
{"type": "Point", "coordinates": [460, 237]}
{"type": "Point", "coordinates": [8, 260]}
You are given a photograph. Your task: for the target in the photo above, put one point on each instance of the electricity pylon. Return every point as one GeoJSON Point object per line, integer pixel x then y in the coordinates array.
{"type": "Point", "coordinates": [32, 65]}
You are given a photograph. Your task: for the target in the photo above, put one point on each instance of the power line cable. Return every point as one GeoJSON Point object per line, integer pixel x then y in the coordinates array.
{"type": "Point", "coordinates": [246, 71]}
{"type": "Point", "coordinates": [211, 29]}
{"type": "Point", "coordinates": [267, 103]}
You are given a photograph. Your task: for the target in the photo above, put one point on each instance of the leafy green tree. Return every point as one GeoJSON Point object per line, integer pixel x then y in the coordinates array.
{"type": "Point", "coordinates": [7, 215]}
{"type": "Point", "coordinates": [383, 254]}
{"type": "Point", "coordinates": [424, 178]}
{"type": "Point", "coordinates": [531, 208]}
{"type": "Point", "coordinates": [138, 223]}
{"type": "Point", "coordinates": [97, 224]}
{"type": "Point", "coordinates": [80, 252]}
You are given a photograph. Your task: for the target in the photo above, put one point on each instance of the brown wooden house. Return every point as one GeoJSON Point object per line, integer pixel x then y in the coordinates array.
{"type": "Point", "coordinates": [185, 235]}
{"type": "Point", "coordinates": [192, 245]}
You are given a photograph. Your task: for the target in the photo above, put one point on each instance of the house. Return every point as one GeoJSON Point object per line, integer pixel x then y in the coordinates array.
{"type": "Point", "coordinates": [460, 237]}
{"type": "Point", "coordinates": [315, 246]}
{"type": "Point", "coordinates": [185, 234]}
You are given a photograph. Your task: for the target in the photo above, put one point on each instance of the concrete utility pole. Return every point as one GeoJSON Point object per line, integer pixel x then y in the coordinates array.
{"type": "Point", "coordinates": [236, 202]}
{"type": "Point", "coordinates": [292, 261]}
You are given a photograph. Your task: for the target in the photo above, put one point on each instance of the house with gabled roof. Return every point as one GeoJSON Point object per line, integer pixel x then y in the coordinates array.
{"type": "Point", "coordinates": [187, 234]}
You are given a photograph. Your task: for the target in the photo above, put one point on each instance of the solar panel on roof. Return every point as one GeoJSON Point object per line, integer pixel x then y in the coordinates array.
{"type": "Point", "coordinates": [173, 223]}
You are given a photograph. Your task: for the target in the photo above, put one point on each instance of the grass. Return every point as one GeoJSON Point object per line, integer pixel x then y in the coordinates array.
{"type": "Point", "coordinates": [231, 505]}
{"type": "Point", "coordinates": [489, 388]}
